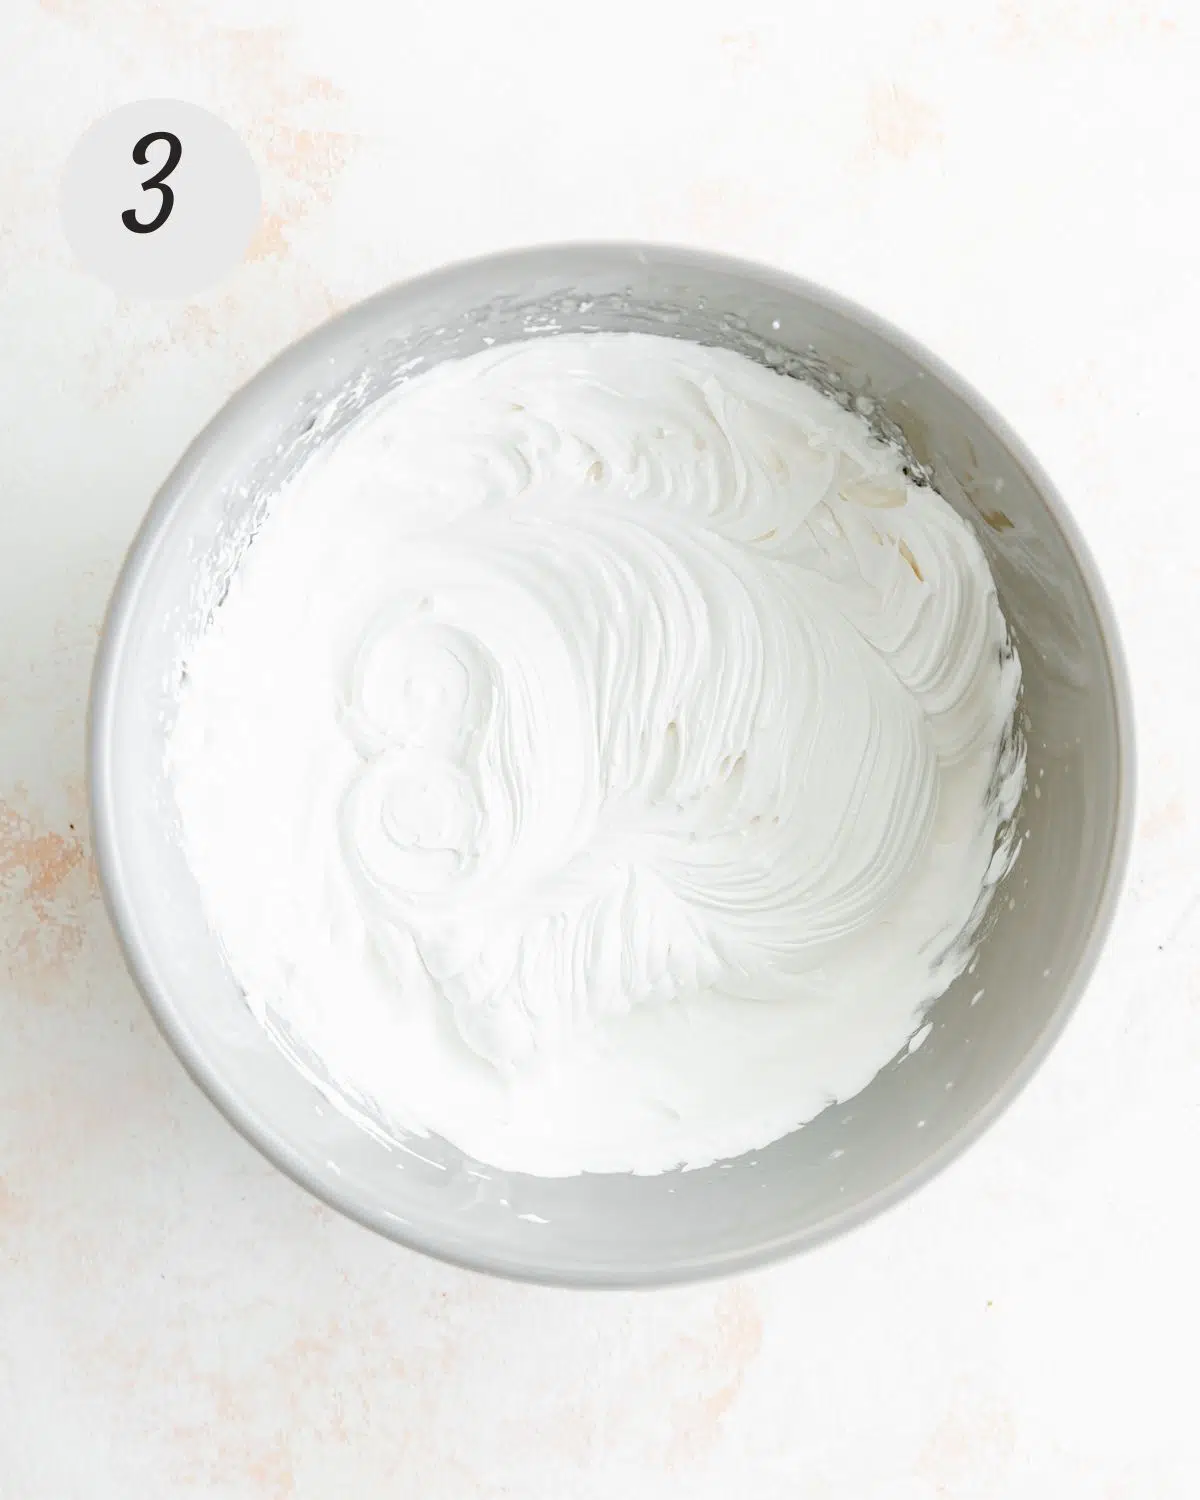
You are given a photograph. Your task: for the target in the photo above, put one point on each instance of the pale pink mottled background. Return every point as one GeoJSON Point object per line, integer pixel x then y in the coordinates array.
{"type": "Point", "coordinates": [1017, 185]}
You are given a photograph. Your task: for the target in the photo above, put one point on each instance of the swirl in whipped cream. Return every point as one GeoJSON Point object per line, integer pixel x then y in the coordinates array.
{"type": "Point", "coordinates": [594, 761]}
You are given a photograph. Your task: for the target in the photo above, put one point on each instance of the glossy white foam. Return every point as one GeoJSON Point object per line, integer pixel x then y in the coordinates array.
{"type": "Point", "coordinates": [600, 755]}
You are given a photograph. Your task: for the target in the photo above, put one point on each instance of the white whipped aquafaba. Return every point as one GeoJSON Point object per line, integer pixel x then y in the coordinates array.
{"type": "Point", "coordinates": [601, 756]}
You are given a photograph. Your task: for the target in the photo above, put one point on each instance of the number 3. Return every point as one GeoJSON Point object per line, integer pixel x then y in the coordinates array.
{"type": "Point", "coordinates": [174, 151]}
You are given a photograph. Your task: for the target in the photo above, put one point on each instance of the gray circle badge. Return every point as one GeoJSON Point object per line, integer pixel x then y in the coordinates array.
{"type": "Point", "coordinates": [160, 199]}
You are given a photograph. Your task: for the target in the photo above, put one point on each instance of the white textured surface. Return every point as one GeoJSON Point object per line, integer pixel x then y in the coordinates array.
{"type": "Point", "coordinates": [1018, 188]}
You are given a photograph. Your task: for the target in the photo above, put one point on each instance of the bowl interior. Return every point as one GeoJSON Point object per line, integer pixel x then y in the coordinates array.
{"type": "Point", "coordinates": [988, 1030]}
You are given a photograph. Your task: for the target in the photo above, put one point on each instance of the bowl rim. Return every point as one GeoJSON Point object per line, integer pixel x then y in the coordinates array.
{"type": "Point", "coordinates": [252, 1125]}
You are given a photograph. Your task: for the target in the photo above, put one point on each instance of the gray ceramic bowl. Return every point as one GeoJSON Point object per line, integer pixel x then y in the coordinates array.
{"type": "Point", "coordinates": [1047, 922]}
